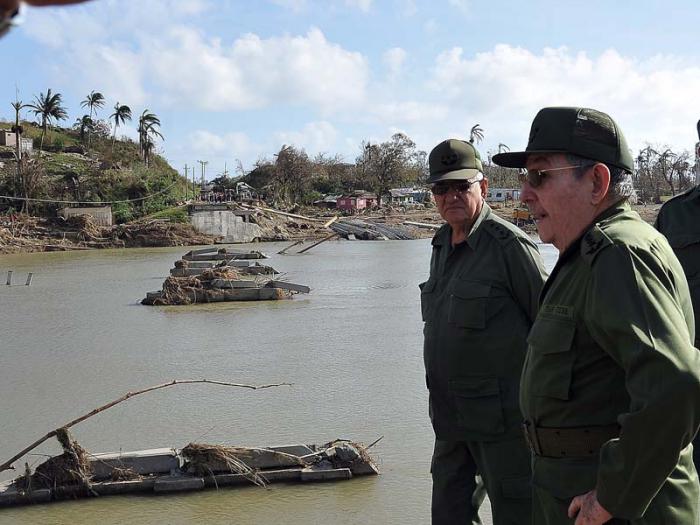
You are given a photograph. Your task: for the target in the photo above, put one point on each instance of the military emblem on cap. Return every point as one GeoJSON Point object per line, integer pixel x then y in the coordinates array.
{"type": "Point", "coordinates": [449, 159]}
{"type": "Point", "coordinates": [585, 132]}
{"type": "Point", "coordinates": [454, 159]}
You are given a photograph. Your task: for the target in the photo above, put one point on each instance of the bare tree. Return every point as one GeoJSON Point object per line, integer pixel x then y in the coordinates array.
{"type": "Point", "coordinates": [292, 175]}
{"type": "Point", "coordinates": [383, 166]}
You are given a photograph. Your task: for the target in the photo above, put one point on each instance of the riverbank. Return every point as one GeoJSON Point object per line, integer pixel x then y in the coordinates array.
{"type": "Point", "coordinates": [24, 234]}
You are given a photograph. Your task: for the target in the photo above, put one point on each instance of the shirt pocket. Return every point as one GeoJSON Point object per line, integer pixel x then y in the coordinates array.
{"type": "Point", "coordinates": [551, 357]}
{"type": "Point", "coordinates": [468, 306]}
{"type": "Point", "coordinates": [478, 404]}
{"type": "Point", "coordinates": [426, 298]}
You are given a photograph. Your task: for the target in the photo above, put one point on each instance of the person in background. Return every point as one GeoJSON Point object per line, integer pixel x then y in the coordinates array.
{"type": "Point", "coordinates": [611, 383]}
{"type": "Point", "coordinates": [679, 221]}
{"type": "Point", "coordinates": [478, 305]}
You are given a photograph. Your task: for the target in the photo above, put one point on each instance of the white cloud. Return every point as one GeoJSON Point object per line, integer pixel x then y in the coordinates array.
{"type": "Point", "coordinates": [408, 7]}
{"type": "Point", "coordinates": [410, 112]}
{"type": "Point", "coordinates": [462, 5]}
{"type": "Point", "coordinates": [315, 137]}
{"type": "Point", "coordinates": [503, 89]}
{"type": "Point", "coordinates": [431, 26]}
{"type": "Point", "coordinates": [180, 66]}
{"type": "Point", "coordinates": [394, 60]}
{"type": "Point", "coordinates": [232, 145]}
{"type": "Point", "coordinates": [362, 5]}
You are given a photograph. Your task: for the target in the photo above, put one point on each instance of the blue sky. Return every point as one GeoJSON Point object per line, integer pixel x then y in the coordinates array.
{"type": "Point", "coordinates": [238, 79]}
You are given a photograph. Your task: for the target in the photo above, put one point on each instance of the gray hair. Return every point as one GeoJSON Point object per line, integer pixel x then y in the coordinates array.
{"type": "Point", "coordinates": [621, 185]}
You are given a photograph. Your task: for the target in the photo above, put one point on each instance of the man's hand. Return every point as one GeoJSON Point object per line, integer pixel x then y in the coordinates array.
{"type": "Point", "coordinates": [588, 511]}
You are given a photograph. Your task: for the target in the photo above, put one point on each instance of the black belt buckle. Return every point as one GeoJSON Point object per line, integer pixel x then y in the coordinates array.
{"type": "Point", "coordinates": [531, 438]}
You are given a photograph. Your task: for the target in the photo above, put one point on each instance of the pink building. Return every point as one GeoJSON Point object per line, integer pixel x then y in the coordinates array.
{"type": "Point", "coordinates": [356, 202]}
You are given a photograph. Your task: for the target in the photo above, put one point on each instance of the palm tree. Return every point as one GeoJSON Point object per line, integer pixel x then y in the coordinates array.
{"type": "Point", "coordinates": [476, 133]}
{"type": "Point", "coordinates": [49, 107]}
{"type": "Point", "coordinates": [86, 124]}
{"type": "Point", "coordinates": [502, 148]}
{"type": "Point", "coordinates": [148, 124]}
{"type": "Point", "coordinates": [94, 100]}
{"type": "Point", "coordinates": [121, 114]}
{"type": "Point", "coordinates": [17, 129]}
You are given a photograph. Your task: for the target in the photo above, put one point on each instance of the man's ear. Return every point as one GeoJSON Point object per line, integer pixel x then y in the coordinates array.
{"type": "Point", "coordinates": [484, 185]}
{"type": "Point", "coordinates": [600, 177]}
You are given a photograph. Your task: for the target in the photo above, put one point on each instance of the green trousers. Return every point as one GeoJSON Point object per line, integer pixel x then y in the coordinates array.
{"type": "Point", "coordinates": [504, 467]}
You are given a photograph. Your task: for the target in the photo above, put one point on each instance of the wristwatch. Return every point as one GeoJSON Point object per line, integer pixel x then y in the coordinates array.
{"type": "Point", "coordinates": [8, 20]}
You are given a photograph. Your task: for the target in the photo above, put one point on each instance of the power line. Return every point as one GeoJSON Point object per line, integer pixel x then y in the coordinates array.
{"type": "Point", "coordinates": [90, 202]}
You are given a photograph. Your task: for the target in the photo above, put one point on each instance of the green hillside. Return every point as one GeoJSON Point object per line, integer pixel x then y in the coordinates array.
{"type": "Point", "coordinates": [75, 168]}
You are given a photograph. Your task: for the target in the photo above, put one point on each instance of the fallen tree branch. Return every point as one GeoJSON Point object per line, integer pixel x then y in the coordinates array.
{"type": "Point", "coordinates": [8, 464]}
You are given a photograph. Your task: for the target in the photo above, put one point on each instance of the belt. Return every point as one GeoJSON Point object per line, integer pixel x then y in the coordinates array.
{"type": "Point", "coordinates": [568, 442]}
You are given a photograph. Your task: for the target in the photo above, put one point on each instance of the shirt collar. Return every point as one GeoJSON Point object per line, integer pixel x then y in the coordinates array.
{"type": "Point", "coordinates": [618, 207]}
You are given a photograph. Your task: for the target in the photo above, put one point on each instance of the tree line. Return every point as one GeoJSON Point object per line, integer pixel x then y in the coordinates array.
{"type": "Point", "coordinates": [291, 176]}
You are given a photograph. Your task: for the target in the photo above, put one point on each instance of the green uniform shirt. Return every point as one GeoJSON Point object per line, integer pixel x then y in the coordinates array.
{"type": "Point", "coordinates": [679, 221]}
{"type": "Point", "coordinates": [478, 306]}
{"type": "Point", "coordinates": [612, 344]}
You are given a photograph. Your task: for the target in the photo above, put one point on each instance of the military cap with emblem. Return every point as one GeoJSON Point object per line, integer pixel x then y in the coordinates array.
{"type": "Point", "coordinates": [454, 159]}
{"type": "Point", "coordinates": [584, 132]}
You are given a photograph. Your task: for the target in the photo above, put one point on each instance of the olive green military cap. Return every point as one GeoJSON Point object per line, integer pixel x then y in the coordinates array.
{"type": "Point", "coordinates": [454, 159]}
{"type": "Point", "coordinates": [584, 132]}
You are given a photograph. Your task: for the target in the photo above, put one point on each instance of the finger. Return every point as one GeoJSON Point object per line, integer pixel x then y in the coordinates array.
{"type": "Point", "coordinates": [574, 507]}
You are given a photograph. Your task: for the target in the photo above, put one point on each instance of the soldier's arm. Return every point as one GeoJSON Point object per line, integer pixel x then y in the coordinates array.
{"type": "Point", "coordinates": [632, 312]}
{"type": "Point", "coordinates": [527, 275]}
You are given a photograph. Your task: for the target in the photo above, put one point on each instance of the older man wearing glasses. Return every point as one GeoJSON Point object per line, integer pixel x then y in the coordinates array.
{"type": "Point", "coordinates": [611, 383]}
{"type": "Point", "coordinates": [478, 305]}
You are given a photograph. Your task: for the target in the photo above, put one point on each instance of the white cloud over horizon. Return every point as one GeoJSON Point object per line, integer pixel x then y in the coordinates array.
{"type": "Point", "coordinates": [317, 91]}
{"type": "Point", "coordinates": [507, 85]}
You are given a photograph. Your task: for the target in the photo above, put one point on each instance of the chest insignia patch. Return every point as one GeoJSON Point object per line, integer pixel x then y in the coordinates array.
{"type": "Point", "coordinates": [557, 311]}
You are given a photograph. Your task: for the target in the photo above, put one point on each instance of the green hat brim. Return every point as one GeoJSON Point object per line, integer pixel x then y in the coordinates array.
{"type": "Point", "coordinates": [463, 174]}
{"type": "Point", "coordinates": [518, 159]}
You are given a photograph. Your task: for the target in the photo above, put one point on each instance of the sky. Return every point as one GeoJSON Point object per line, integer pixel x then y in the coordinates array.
{"type": "Point", "coordinates": [234, 80]}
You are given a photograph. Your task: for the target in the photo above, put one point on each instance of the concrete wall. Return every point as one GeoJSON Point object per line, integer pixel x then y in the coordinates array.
{"type": "Point", "coordinates": [102, 215]}
{"type": "Point", "coordinates": [224, 224]}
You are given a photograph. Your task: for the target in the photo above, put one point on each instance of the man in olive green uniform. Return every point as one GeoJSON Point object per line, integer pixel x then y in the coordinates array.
{"type": "Point", "coordinates": [679, 221]}
{"type": "Point", "coordinates": [478, 306]}
{"type": "Point", "coordinates": [611, 383]}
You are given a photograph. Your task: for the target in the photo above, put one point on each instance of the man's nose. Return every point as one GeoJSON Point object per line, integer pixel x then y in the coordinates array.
{"type": "Point", "coordinates": [526, 193]}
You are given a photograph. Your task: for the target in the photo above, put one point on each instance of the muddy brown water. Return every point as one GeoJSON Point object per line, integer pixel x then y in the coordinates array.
{"type": "Point", "coordinates": [77, 338]}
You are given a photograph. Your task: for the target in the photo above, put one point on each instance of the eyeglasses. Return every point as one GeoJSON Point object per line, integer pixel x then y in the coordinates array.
{"type": "Point", "coordinates": [535, 177]}
{"type": "Point", "coordinates": [442, 188]}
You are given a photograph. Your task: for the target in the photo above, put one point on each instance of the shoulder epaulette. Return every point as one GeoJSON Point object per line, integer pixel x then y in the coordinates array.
{"type": "Point", "coordinates": [499, 231]}
{"type": "Point", "coordinates": [593, 242]}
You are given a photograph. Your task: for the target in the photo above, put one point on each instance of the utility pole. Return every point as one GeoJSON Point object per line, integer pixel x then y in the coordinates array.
{"type": "Point", "coordinates": [186, 180]}
{"type": "Point", "coordinates": [203, 164]}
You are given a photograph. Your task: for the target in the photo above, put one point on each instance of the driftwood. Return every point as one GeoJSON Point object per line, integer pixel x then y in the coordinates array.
{"type": "Point", "coordinates": [8, 464]}
{"type": "Point", "coordinates": [283, 213]}
{"type": "Point", "coordinates": [326, 225]}
{"type": "Point", "coordinates": [334, 234]}
{"type": "Point", "coordinates": [284, 250]}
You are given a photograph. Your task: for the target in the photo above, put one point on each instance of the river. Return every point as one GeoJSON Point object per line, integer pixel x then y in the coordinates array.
{"type": "Point", "coordinates": [78, 338]}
